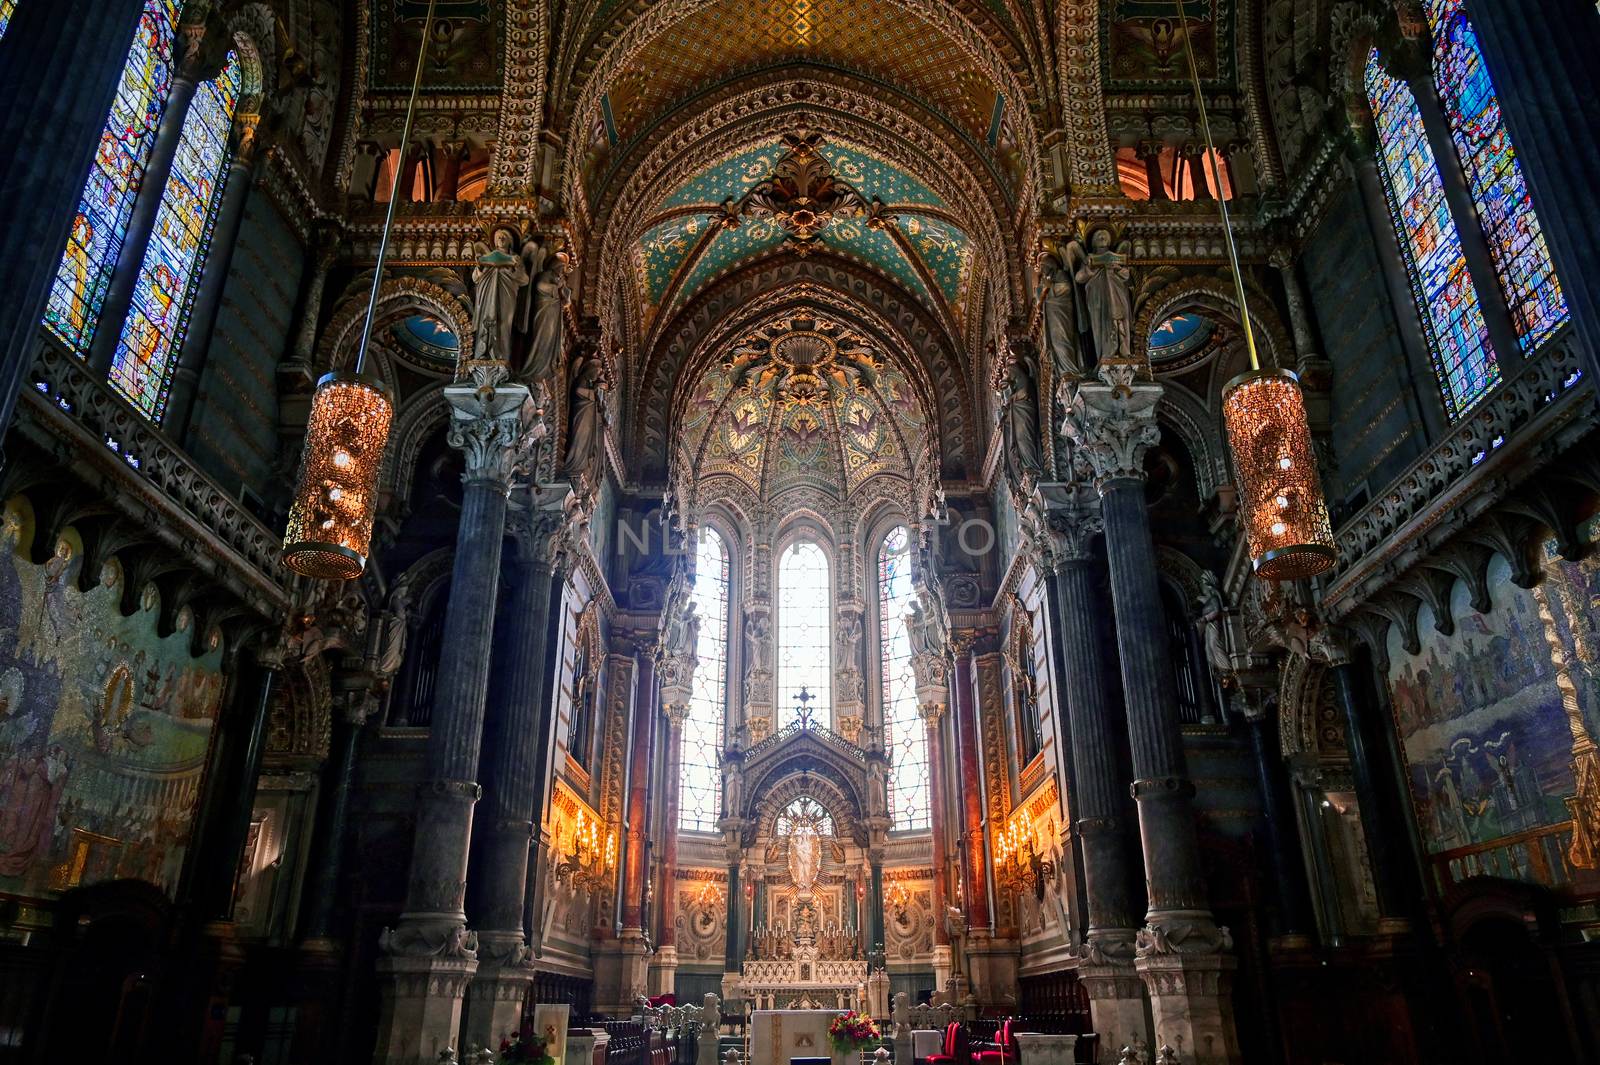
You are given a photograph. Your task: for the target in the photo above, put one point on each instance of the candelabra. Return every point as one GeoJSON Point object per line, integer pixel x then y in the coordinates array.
{"type": "Point", "coordinates": [592, 855]}
{"type": "Point", "coordinates": [1017, 863]}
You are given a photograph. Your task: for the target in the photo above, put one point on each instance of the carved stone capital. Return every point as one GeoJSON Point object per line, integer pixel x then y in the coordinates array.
{"type": "Point", "coordinates": [930, 712]}
{"type": "Point", "coordinates": [1063, 520]}
{"type": "Point", "coordinates": [1112, 424]}
{"type": "Point", "coordinates": [491, 427]}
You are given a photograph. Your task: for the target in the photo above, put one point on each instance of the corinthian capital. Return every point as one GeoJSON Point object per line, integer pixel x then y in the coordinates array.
{"type": "Point", "coordinates": [492, 429]}
{"type": "Point", "coordinates": [1113, 423]}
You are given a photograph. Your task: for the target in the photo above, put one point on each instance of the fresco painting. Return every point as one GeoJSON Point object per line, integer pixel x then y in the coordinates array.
{"type": "Point", "coordinates": [105, 727]}
{"type": "Point", "coordinates": [1493, 735]}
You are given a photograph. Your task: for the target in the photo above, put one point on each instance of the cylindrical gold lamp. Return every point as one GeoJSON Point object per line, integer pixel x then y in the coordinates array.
{"type": "Point", "coordinates": [1280, 496]}
{"type": "Point", "coordinates": [330, 519]}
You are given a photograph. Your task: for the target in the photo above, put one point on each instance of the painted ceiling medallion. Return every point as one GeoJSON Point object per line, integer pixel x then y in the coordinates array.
{"type": "Point", "coordinates": [804, 196]}
{"type": "Point", "coordinates": [802, 362]}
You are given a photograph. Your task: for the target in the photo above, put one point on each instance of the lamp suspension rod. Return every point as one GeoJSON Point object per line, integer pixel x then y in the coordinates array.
{"type": "Point", "coordinates": [394, 189]}
{"type": "Point", "coordinates": [1222, 199]}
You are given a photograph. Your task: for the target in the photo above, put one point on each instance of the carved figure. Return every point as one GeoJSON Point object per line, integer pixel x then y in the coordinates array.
{"type": "Point", "coordinates": [1105, 293]}
{"type": "Point", "coordinates": [498, 279]}
{"type": "Point", "coordinates": [1019, 421]}
{"type": "Point", "coordinates": [587, 422]}
{"type": "Point", "coordinates": [849, 640]}
{"type": "Point", "coordinates": [547, 332]}
{"type": "Point", "coordinates": [1213, 624]}
{"type": "Point", "coordinates": [1060, 324]}
{"type": "Point", "coordinates": [757, 634]}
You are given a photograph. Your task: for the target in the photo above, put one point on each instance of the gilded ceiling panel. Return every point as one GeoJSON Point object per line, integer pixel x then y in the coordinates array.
{"type": "Point", "coordinates": [1144, 46]}
{"type": "Point", "coordinates": [465, 54]}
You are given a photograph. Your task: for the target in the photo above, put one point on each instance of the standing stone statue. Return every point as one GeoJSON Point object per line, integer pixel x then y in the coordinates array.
{"type": "Point", "coordinates": [757, 632]}
{"type": "Point", "coordinates": [547, 330]}
{"type": "Point", "coordinates": [1105, 293]}
{"type": "Point", "coordinates": [1060, 322]}
{"type": "Point", "coordinates": [586, 424]}
{"type": "Point", "coordinates": [498, 279]}
{"type": "Point", "coordinates": [1019, 420]}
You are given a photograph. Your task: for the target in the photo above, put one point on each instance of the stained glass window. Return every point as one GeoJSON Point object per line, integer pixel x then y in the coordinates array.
{"type": "Point", "coordinates": [804, 634]}
{"type": "Point", "coordinates": [1452, 317]}
{"type": "Point", "coordinates": [1494, 176]}
{"type": "Point", "coordinates": [102, 219]}
{"type": "Point", "coordinates": [170, 273]}
{"type": "Point", "coordinates": [700, 785]}
{"type": "Point", "coordinates": [905, 736]}
{"type": "Point", "coordinates": [7, 9]}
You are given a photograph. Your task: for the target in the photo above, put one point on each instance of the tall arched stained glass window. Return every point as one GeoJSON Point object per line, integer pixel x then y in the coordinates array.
{"type": "Point", "coordinates": [1494, 176]}
{"type": "Point", "coordinates": [114, 180]}
{"type": "Point", "coordinates": [170, 273]}
{"type": "Point", "coordinates": [904, 734]}
{"type": "Point", "coordinates": [7, 9]}
{"type": "Point", "coordinates": [805, 641]}
{"type": "Point", "coordinates": [700, 785]}
{"type": "Point", "coordinates": [1452, 317]}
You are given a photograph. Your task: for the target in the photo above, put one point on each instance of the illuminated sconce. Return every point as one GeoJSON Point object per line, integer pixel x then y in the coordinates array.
{"type": "Point", "coordinates": [1285, 516]}
{"type": "Point", "coordinates": [330, 519]}
{"type": "Point", "coordinates": [1018, 866]}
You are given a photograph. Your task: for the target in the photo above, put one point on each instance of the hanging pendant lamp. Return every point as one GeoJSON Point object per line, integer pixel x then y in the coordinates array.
{"type": "Point", "coordinates": [330, 519]}
{"type": "Point", "coordinates": [1285, 514]}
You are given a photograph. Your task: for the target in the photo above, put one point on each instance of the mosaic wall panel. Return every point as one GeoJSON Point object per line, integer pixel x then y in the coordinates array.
{"type": "Point", "coordinates": [466, 53]}
{"type": "Point", "coordinates": [1144, 45]}
{"type": "Point", "coordinates": [1496, 723]}
{"type": "Point", "coordinates": [105, 728]}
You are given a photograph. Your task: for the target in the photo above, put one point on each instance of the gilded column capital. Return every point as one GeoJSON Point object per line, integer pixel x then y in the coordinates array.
{"type": "Point", "coordinates": [1112, 424]}
{"type": "Point", "coordinates": [931, 713]}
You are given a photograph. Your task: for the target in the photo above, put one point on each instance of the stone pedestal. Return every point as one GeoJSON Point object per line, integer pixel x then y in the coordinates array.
{"type": "Point", "coordinates": [1191, 1003]}
{"type": "Point", "coordinates": [586, 1046]}
{"type": "Point", "coordinates": [421, 1007]}
{"type": "Point", "coordinates": [878, 993]}
{"type": "Point", "coordinates": [1038, 1049]}
{"type": "Point", "coordinates": [1116, 1004]}
{"type": "Point", "coordinates": [621, 974]}
{"type": "Point", "coordinates": [664, 971]}
{"type": "Point", "coordinates": [494, 1002]}
{"type": "Point", "coordinates": [942, 967]}
{"type": "Point", "coordinates": [992, 969]}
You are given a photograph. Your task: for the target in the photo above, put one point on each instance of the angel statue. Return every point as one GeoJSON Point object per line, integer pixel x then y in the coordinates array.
{"type": "Point", "coordinates": [546, 329]}
{"type": "Point", "coordinates": [1060, 321]}
{"type": "Point", "coordinates": [499, 280]}
{"type": "Point", "coordinates": [1105, 293]}
{"type": "Point", "coordinates": [586, 425]}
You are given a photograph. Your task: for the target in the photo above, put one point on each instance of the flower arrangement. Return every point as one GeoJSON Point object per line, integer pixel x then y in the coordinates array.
{"type": "Point", "coordinates": [526, 1045]}
{"type": "Point", "coordinates": [852, 1032]}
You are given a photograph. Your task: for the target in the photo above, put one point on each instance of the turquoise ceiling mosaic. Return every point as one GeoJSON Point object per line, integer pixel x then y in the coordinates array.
{"type": "Point", "coordinates": [943, 249]}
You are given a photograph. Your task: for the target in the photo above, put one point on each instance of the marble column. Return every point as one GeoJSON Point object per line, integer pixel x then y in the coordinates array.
{"type": "Point", "coordinates": [622, 965]}
{"type": "Point", "coordinates": [203, 312]}
{"type": "Point", "coordinates": [518, 714]}
{"type": "Point", "coordinates": [429, 957]}
{"type": "Point", "coordinates": [323, 872]}
{"type": "Point", "coordinates": [63, 62]}
{"type": "Point", "coordinates": [1116, 994]}
{"type": "Point", "coordinates": [1355, 702]}
{"type": "Point", "coordinates": [1293, 923]}
{"type": "Point", "coordinates": [732, 956]}
{"type": "Point", "coordinates": [932, 714]}
{"type": "Point", "coordinates": [192, 62]}
{"type": "Point", "coordinates": [664, 968]}
{"type": "Point", "coordinates": [1540, 54]}
{"type": "Point", "coordinates": [1181, 954]}
{"type": "Point", "coordinates": [974, 855]}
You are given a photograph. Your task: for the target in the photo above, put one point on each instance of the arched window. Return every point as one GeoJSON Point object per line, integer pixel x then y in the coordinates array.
{"type": "Point", "coordinates": [1494, 176]}
{"type": "Point", "coordinates": [1452, 317]}
{"type": "Point", "coordinates": [102, 219]}
{"type": "Point", "coordinates": [7, 9]}
{"type": "Point", "coordinates": [905, 736]}
{"type": "Point", "coordinates": [585, 677]}
{"type": "Point", "coordinates": [170, 273]}
{"type": "Point", "coordinates": [700, 783]}
{"type": "Point", "coordinates": [805, 639]}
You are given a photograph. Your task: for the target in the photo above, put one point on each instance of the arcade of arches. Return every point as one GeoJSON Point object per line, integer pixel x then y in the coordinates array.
{"type": "Point", "coordinates": [807, 563]}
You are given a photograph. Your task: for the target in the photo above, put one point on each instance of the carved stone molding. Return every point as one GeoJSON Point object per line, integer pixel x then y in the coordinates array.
{"type": "Point", "coordinates": [1113, 424]}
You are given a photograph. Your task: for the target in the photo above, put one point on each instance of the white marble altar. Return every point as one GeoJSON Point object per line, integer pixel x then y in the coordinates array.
{"type": "Point", "coordinates": [779, 1035]}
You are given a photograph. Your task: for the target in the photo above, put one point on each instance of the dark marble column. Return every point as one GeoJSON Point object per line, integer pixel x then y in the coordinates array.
{"type": "Point", "coordinates": [192, 62]}
{"type": "Point", "coordinates": [1293, 918]}
{"type": "Point", "coordinates": [1540, 54]}
{"type": "Point", "coordinates": [214, 278]}
{"type": "Point", "coordinates": [429, 955]}
{"type": "Point", "coordinates": [875, 922]}
{"type": "Point", "coordinates": [732, 956]}
{"type": "Point", "coordinates": [518, 712]}
{"type": "Point", "coordinates": [1181, 954]}
{"type": "Point", "coordinates": [63, 60]}
{"type": "Point", "coordinates": [1372, 789]}
{"type": "Point", "coordinates": [974, 855]}
{"type": "Point", "coordinates": [323, 874]}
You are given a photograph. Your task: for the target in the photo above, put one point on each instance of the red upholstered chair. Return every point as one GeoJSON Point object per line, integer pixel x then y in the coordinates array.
{"type": "Point", "coordinates": [1003, 1051]}
{"type": "Point", "coordinates": [956, 1049]}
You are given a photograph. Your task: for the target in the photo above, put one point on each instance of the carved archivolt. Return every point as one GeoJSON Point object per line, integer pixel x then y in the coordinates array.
{"type": "Point", "coordinates": [342, 336]}
{"type": "Point", "coordinates": [1212, 295]}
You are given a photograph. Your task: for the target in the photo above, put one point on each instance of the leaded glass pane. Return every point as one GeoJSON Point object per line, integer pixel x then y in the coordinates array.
{"type": "Point", "coordinates": [904, 733]}
{"type": "Point", "coordinates": [7, 9]}
{"type": "Point", "coordinates": [170, 273]}
{"type": "Point", "coordinates": [804, 635]}
{"type": "Point", "coordinates": [114, 180]}
{"type": "Point", "coordinates": [700, 785]}
{"type": "Point", "coordinates": [1494, 176]}
{"type": "Point", "coordinates": [1452, 317]}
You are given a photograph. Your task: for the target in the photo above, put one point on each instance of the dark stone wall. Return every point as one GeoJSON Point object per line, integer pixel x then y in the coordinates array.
{"type": "Point", "coordinates": [233, 435]}
{"type": "Point", "coordinates": [1377, 432]}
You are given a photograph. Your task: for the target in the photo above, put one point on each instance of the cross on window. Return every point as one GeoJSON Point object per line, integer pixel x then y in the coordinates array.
{"type": "Point", "coordinates": [803, 711]}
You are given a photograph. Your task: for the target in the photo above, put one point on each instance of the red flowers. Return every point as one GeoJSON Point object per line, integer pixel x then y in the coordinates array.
{"type": "Point", "coordinates": [852, 1031]}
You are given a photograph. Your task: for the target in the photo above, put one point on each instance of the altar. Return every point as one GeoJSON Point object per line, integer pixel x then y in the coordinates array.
{"type": "Point", "coordinates": [777, 1036]}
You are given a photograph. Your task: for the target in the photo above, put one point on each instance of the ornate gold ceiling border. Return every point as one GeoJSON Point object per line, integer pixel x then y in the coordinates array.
{"type": "Point", "coordinates": [942, 16]}
{"type": "Point", "coordinates": [878, 308]}
{"type": "Point", "coordinates": [515, 163]}
{"type": "Point", "coordinates": [1091, 169]}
